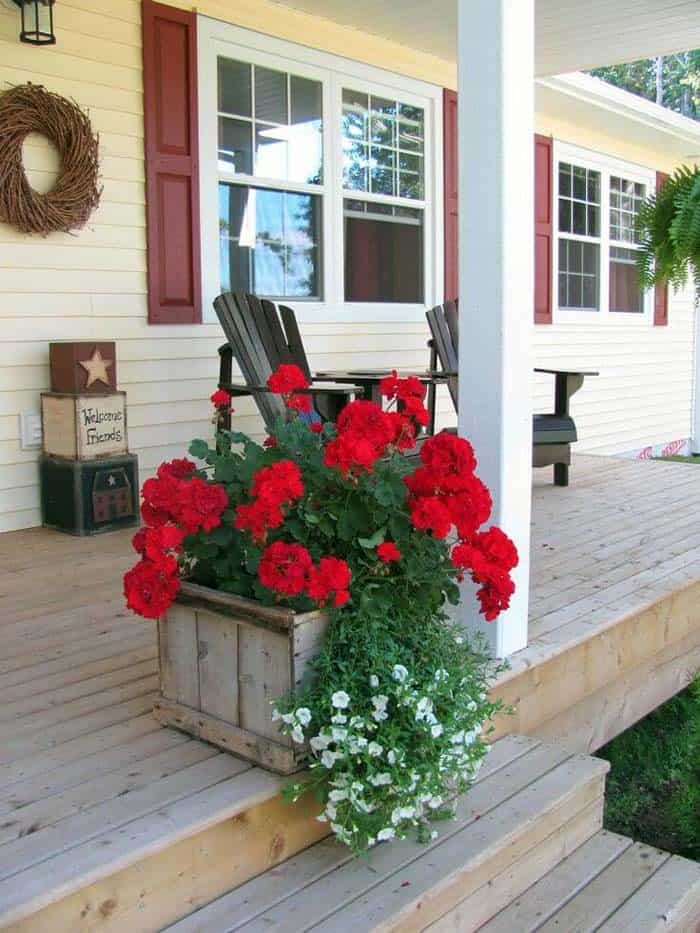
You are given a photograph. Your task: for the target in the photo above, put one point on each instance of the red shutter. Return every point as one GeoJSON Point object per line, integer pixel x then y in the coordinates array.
{"type": "Point", "coordinates": [661, 291]}
{"type": "Point", "coordinates": [172, 181]}
{"type": "Point", "coordinates": [451, 173]}
{"type": "Point", "coordinates": [543, 229]}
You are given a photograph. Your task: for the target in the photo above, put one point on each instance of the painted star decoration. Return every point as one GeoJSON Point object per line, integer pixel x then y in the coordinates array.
{"type": "Point", "coordinates": [96, 368]}
{"type": "Point", "coordinates": [111, 480]}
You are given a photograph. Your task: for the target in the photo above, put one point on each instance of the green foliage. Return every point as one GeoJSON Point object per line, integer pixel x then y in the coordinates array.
{"type": "Point", "coordinates": [653, 790]}
{"type": "Point", "coordinates": [680, 80]}
{"type": "Point", "coordinates": [668, 225]}
{"type": "Point", "coordinates": [395, 718]}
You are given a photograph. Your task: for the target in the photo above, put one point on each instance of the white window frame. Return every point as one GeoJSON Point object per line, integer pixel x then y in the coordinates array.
{"type": "Point", "coordinates": [607, 166]}
{"type": "Point", "coordinates": [216, 38]}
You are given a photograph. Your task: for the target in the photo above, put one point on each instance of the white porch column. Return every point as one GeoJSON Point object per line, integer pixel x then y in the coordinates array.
{"type": "Point", "coordinates": [695, 423]}
{"type": "Point", "coordinates": [496, 126]}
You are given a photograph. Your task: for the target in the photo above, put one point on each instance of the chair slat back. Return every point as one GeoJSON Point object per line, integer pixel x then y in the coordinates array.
{"type": "Point", "coordinates": [296, 346]}
{"type": "Point", "coordinates": [445, 343]}
{"type": "Point", "coordinates": [239, 325]}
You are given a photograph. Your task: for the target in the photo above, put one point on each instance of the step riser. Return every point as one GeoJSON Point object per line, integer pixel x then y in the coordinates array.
{"type": "Point", "coordinates": [182, 877]}
{"type": "Point", "coordinates": [454, 890]}
{"type": "Point", "coordinates": [487, 901]}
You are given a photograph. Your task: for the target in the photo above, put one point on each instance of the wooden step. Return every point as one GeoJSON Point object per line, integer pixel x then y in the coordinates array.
{"type": "Point", "coordinates": [532, 805]}
{"type": "Point", "coordinates": [142, 844]}
{"type": "Point", "coordinates": [609, 884]}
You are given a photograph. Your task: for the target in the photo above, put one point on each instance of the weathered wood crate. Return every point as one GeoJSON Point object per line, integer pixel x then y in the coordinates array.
{"type": "Point", "coordinates": [223, 660]}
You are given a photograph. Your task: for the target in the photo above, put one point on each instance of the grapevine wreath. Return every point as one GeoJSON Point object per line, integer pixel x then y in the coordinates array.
{"type": "Point", "coordinates": [30, 108]}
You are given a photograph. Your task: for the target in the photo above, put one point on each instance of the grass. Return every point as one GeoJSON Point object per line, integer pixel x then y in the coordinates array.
{"type": "Point", "coordinates": [653, 791]}
{"type": "Point", "coordinates": [681, 458]}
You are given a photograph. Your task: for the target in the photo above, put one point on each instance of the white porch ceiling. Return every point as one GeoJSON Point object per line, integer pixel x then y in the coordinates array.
{"type": "Point", "coordinates": [571, 35]}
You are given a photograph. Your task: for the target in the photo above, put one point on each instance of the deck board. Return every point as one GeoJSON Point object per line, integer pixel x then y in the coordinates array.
{"type": "Point", "coordinates": [79, 746]}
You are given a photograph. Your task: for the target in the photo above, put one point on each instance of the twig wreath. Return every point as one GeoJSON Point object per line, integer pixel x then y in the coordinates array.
{"type": "Point", "coordinates": [30, 108]}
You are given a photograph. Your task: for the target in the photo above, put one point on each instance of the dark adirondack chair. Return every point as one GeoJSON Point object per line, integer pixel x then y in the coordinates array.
{"type": "Point", "coordinates": [552, 434]}
{"type": "Point", "coordinates": [261, 337]}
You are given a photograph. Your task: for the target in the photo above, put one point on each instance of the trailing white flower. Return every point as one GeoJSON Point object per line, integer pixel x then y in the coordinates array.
{"type": "Point", "coordinates": [399, 673]}
{"type": "Point", "coordinates": [436, 730]}
{"type": "Point", "coordinates": [328, 758]}
{"type": "Point", "coordinates": [303, 715]}
{"type": "Point", "coordinates": [373, 680]}
{"type": "Point", "coordinates": [384, 835]}
{"type": "Point", "coordinates": [320, 741]}
{"type": "Point", "coordinates": [337, 795]}
{"type": "Point", "coordinates": [383, 779]}
{"type": "Point", "coordinates": [391, 756]}
{"type": "Point", "coordinates": [340, 699]}
{"type": "Point", "coordinates": [298, 735]}
{"type": "Point", "coordinates": [375, 749]}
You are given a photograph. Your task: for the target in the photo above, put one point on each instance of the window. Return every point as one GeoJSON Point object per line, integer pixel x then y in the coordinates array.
{"type": "Point", "coordinates": [270, 126]}
{"type": "Point", "coordinates": [597, 204]}
{"type": "Point", "coordinates": [383, 145]}
{"type": "Point", "coordinates": [317, 184]}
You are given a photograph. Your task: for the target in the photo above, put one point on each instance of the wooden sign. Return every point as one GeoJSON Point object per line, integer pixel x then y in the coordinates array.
{"type": "Point", "coordinates": [84, 427]}
{"type": "Point", "coordinates": [86, 367]}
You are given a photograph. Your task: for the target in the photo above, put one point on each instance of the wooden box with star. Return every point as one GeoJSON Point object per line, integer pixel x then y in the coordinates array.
{"type": "Point", "coordinates": [83, 427]}
{"type": "Point", "coordinates": [83, 367]}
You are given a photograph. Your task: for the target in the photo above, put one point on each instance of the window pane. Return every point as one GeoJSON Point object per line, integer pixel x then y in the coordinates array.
{"type": "Point", "coordinates": [270, 242]}
{"type": "Point", "coordinates": [305, 152]}
{"type": "Point", "coordinates": [579, 200]}
{"type": "Point", "coordinates": [383, 253]}
{"type": "Point", "coordinates": [270, 95]}
{"type": "Point", "coordinates": [395, 132]}
{"type": "Point", "coordinates": [626, 198]}
{"type": "Point", "coordinates": [355, 165]}
{"type": "Point", "coordinates": [579, 274]}
{"type": "Point", "coordinates": [270, 151]}
{"type": "Point", "coordinates": [625, 293]}
{"type": "Point", "coordinates": [234, 87]}
{"type": "Point", "coordinates": [235, 150]}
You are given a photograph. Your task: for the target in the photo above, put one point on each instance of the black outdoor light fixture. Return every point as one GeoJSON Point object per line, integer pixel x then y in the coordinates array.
{"type": "Point", "coordinates": [37, 22]}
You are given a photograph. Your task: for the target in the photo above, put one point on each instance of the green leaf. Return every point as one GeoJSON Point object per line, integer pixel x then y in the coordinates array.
{"type": "Point", "coordinates": [371, 543]}
{"type": "Point", "coordinates": [390, 491]}
{"type": "Point", "coordinates": [223, 535]}
{"type": "Point", "coordinates": [199, 449]}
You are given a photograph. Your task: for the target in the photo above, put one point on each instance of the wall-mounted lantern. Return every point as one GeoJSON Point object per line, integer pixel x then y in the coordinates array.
{"type": "Point", "coordinates": [37, 22]}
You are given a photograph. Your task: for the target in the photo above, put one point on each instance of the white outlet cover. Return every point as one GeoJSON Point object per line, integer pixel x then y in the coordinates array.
{"type": "Point", "coordinates": [30, 422]}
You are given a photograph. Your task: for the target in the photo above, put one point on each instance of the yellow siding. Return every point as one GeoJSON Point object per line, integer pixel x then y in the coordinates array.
{"type": "Point", "coordinates": [93, 286]}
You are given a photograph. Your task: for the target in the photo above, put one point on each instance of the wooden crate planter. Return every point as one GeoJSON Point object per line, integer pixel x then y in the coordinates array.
{"type": "Point", "coordinates": [223, 659]}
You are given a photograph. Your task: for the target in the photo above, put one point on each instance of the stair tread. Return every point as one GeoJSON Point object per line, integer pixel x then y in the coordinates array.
{"type": "Point", "coordinates": [611, 884]}
{"type": "Point", "coordinates": [48, 865]}
{"type": "Point", "coordinates": [525, 791]}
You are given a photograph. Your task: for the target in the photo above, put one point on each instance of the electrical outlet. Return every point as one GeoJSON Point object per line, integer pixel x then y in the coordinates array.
{"type": "Point", "coordinates": [30, 429]}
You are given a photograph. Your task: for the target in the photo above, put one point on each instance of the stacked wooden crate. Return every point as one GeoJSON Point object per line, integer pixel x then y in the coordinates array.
{"type": "Point", "coordinates": [89, 480]}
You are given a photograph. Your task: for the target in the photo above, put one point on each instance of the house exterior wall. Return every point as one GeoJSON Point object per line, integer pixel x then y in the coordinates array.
{"type": "Point", "coordinates": [93, 285]}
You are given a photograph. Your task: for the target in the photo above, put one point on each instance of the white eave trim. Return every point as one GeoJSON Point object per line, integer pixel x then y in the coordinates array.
{"type": "Point", "coordinates": [624, 104]}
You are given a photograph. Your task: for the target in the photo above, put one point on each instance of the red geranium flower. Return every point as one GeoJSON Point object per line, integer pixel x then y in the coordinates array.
{"type": "Point", "coordinates": [497, 547]}
{"type": "Point", "coordinates": [258, 518]}
{"type": "Point", "coordinates": [287, 378]}
{"type": "Point", "coordinates": [270, 442]}
{"type": "Point", "coordinates": [350, 453]}
{"type": "Point", "coordinates": [404, 431]}
{"type": "Point", "coordinates": [220, 399]}
{"type": "Point", "coordinates": [201, 505]}
{"type": "Point", "coordinates": [470, 508]}
{"type": "Point", "coordinates": [316, 427]}
{"type": "Point", "coordinates": [281, 482]}
{"type": "Point", "coordinates": [387, 552]}
{"type": "Point", "coordinates": [149, 589]}
{"type": "Point", "coordinates": [366, 420]}
{"type": "Point", "coordinates": [301, 403]}
{"type": "Point", "coordinates": [161, 499]}
{"type": "Point", "coordinates": [330, 578]}
{"type": "Point", "coordinates": [138, 542]}
{"type": "Point", "coordinates": [451, 460]}
{"type": "Point", "coordinates": [179, 468]}
{"type": "Point", "coordinates": [284, 568]}
{"type": "Point", "coordinates": [429, 514]}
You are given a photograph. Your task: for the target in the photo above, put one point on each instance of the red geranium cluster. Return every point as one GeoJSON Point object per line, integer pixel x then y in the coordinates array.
{"type": "Point", "coordinates": [365, 432]}
{"type": "Point", "coordinates": [273, 488]}
{"type": "Point", "coordinates": [289, 570]}
{"type": "Point", "coordinates": [287, 380]}
{"type": "Point", "coordinates": [175, 504]}
{"type": "Point", "coordinates": [446, 493]}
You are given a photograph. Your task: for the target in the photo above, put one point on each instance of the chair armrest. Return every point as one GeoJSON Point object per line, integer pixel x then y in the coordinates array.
{"type": "Point", "coordinates": [240, 388]}
{"type": "Point", "coordinates": [566, 372]}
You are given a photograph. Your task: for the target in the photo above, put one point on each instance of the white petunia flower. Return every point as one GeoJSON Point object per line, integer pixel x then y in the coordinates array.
{"type": "Point", "coordinates": [441, 675]}
{"type": "Point", "coordinates": [298, 735]}
{"type": "Point", "coordinates": [357, 722]}
{"type": "Point", "coordinates": [373, 680]}
{"type": "Point", "coordinates": [304, 715]}
{"type": "Point", "coordinates": [337, 795]}
{"type": "Point", "coordinates": [459, 639]}
{"type": "Point", "coordinates": [380, 701]}
{"type": "Point", "coordinates": [383, 779]}
{"type": "Point", "coordinates": [435, 802]}
{"type": "Point", "coordinates": [436, 730]}
{"type": "Point", "coordinates": [434, 834]}
{"type": "Point", "coordinates": [288, 718]}
{"type": "Point", "coordinates": [328, 759]}
{"type": "Point", "coordinates": [330, 811]}
{"type": "Point", "coordinates": [399, 673]}
{"type": "Point", "coordinates": [379, 715]}
{"type": "Point", "coordinates": [340, 699]}
{"type": "Point", "coordinates": [385, 834]}
{"type": "Point", "coordinates": [276, 714]}
{"type": "Point", "coordinates": [339, 718]}
{"type": "Point", "coordinates": [375, 749]}
{"type": "Point", "coordinates": [339, 735]}
{"type": "Point", "coordinates": [402, 813]}
{"type": "Point", "coordinates": [320, 741]}
{"type": "Point", "coordinates": [391, 757]}
{"type": "Point", "coordinates": [371, 841]}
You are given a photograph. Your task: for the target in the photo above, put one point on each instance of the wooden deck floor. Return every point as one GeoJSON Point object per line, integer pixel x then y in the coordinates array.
{"type": "Point", "coordinates": [81, 756]}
